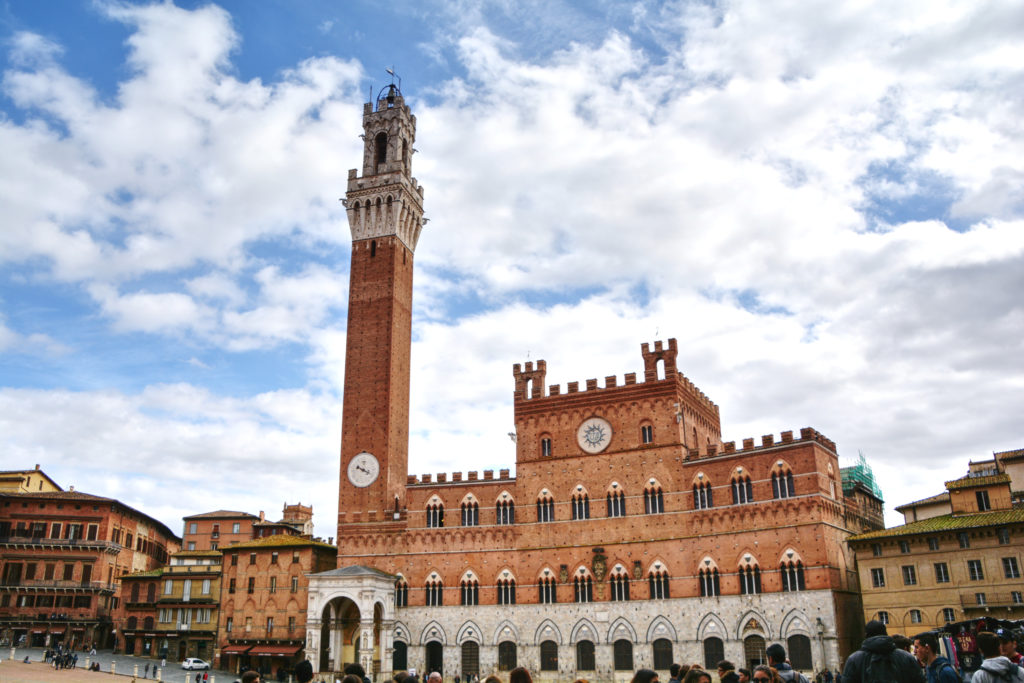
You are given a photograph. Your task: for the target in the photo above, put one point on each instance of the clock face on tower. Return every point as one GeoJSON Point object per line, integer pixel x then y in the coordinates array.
{"type": "Point", "coordinates": [594, 435]}
{"type": "Point", "coordinates": [363, 469]}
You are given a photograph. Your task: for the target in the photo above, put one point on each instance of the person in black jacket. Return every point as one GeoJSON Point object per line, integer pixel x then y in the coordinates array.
{"type": "Point", "coordinates": [879, 660]}
{"type": "Point", "coordinates": [727, 672]}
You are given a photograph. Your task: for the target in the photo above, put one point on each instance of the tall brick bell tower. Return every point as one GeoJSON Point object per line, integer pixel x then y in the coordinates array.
{"type": "Point", "coordinates": [385, 214]}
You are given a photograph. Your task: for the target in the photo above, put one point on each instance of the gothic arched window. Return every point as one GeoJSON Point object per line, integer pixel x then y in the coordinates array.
{"type": "Point", "coordinates": [750, 580]}
{"type": "Point", "coordinates": [792, 576]}
{"type": "Point", "coordinates": [435, 515]}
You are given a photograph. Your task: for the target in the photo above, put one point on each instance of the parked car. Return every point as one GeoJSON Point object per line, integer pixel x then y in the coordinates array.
{"type": "Point", "coordinates": [192, 663]}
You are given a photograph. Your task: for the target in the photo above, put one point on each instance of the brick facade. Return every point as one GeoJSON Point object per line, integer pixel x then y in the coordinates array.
{"type": "Point", "coordinates": [629, 533]}
{"type": "Point", "coordinates": [63, 556]}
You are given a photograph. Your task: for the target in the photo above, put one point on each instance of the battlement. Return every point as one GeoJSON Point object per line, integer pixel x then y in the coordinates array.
{"type": "Point", "coordinates": [458, 477]}
{"type": "Point", "coordinates": [768, 441]}
{"type": "Point", "coordinates": [530, 377]}
{"type": "Point", "coordinates": [533, 377]}
{"type": "Point", "coordinates": [659, 354]}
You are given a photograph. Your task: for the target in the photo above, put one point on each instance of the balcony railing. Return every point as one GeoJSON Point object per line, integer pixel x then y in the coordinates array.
{"type": "Point", "coordinates": [982, 599]}
{"type": "Point", "coordinates": [57, 584]}
{"type": "Point", "coordinates": [42, 542]}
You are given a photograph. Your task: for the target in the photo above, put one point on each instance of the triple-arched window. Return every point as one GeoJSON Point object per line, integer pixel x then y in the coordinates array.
{"type": "Point", "coordinates": [709, 583]}
{"type": "Point", "coordinates": [619, 583]}
{"type": "Point", "coordinates": [546, 590]}
{"type": "Point", "coordinates": [580, 505]}
{"type": "Point", "coordinates": [657, 581]}
{"type": "Point", "coordinates": [782, 484]}
{"type": "Point", "coordinates": [654, 499]}
{"type": "Point", "coordinates": [506, 590]}
{"type": "Point", "coordinates": [505, 511]}
{"type": "Point", "coordinates": [742, 489]}
{"type": "Point", "coordinates": [702, 495]}
{"type": "Point", "coordinates": [435, 514]}
{"type": "Point", "coordinates": [616, 500]}
{"type": "Point", "coordinates": [469, 590]}
{"type": "Point", "coordinates": [750, 579]}
{"type": "Point", "coordinates": [583, 587]}
{"type": "Point", "coordinates": [792, 576]}
{"type": "Point", "coordinates": [435, 591]}
{"type": "Point", "coordinates": [470, 513]}
{"type": "Point", "coordinates": [545, 507]}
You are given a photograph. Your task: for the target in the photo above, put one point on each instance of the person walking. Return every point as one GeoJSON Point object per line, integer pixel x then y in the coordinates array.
{"type": "Point", "coordinates": [643, 676]}
{"type": "Point", "coordinates": [777, 660]}
{"type": "Point", "coordinates": [727, 672]}
{"type": "Point", "coordinates": [1008, 646]}
{"type": "Point", "coordinates": [936, 667]}
{"type": "Point", "coordinates": [995, 668]}
{"type": "Point", "coordinates": [879, 660]}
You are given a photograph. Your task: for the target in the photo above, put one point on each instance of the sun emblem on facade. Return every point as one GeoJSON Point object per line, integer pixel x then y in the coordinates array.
{"type": "Point", "coordinates": [594, 435]}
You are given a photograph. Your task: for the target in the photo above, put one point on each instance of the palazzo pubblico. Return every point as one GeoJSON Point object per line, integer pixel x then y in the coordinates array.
{"type": "Point", "coordinates": [630, 536]}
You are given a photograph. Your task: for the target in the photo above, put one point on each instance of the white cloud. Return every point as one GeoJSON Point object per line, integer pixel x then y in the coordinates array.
{"type": "Point", "coordinates": [772, 191]}
{"type": "Point", "coordinates": [184, 445]}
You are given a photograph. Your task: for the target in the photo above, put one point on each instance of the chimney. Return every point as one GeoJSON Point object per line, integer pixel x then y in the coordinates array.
{"type": "Point", "coordinates": [71, 489]}
{"type": "Point", "coordinates": [263, 517]}
{"type": "Point", "coordinates": [37, 467]}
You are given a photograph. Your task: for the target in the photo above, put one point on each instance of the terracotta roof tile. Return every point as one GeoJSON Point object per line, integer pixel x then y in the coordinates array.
{"type": "Point", "coordinates": [279, 540]}
{"type": "Point", "coordinates": [222, 514]}
{"type": "Point", "coordinates": [946, 523]}
{"type": "Point", "coordinates": [971, 482]}
{"type": "Point", "coordinates": [937, 498]}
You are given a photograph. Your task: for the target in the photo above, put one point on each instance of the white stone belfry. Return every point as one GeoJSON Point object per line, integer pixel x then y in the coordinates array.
{"type": "Point", "coordinates": [350, 617]}
{"type": "Point", "coordinates": [386, 200]}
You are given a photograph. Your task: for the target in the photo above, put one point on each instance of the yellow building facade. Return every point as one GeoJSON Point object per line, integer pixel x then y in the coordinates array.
{"type": "Point", "coordinates": [943, 568]}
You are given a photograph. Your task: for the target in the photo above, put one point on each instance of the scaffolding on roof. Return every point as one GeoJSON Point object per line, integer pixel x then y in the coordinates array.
{"type": "Point", "coordinates": [861, 473]}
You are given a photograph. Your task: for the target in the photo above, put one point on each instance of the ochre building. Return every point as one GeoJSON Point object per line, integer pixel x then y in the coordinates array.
{"type": "Point", "coordinates": [958, 557]}
{"type": "Point", "coordinates": [173, 612]}
{"type": "Point", "coordinates": [630, 536]}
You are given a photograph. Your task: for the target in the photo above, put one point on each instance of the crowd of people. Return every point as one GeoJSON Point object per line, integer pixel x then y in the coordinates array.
{"type": "Point", "coordinates": [899, 659]}
{"type": "Point", "coordinates": [881, 659]}
{"type": "Point", "coordinates": [61, 658]}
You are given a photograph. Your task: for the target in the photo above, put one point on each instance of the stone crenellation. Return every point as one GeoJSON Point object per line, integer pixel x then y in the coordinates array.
{"type": "Point", "coordinates": [768, 440]}
{"type": "Point", "coordinates": [460, 477]}
{"type": "Point", "coordinates": [529, 377]}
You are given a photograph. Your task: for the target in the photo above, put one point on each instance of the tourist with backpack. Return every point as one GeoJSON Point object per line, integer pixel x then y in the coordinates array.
{"type": "Point", "coordinates": [995, 668]}
{"type": "Point", "coordinates": [936, 667]}
{"type": "Point", "coordinates": [777, 660]}
{"type": "Point", "coordinates": [879, 660]}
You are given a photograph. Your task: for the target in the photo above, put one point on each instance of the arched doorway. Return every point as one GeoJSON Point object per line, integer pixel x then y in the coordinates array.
{"type": "Point", "coordinates": [470, 657]}
{"type": "Point", "coordinates": [753, 651]}
{"type": "Point", "coordinates": [400, 658]}
{"type": "Point", "coordinates": [435, 658]}
{"type": "Point", "coordinates": [339, 634]}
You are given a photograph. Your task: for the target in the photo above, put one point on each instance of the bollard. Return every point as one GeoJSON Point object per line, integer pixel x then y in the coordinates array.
{"type": "Point", "coordinates": [113, 667]}
{"type": "Point", "coordinates": [213, 679]}
{"type": "Point", "coordinates": [135, 671]}
{"type": "Point", "coordinates": [86, 663]}
{"type": "Point", "coordinates": [159, 673]}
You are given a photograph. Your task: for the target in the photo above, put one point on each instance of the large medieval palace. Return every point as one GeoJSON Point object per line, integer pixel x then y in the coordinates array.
{"type": "Point", "coordinates": [630, 536]}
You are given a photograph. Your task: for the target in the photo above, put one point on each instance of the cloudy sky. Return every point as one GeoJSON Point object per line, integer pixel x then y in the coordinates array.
{"type": "Point", "coordinates": [823, 202]}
